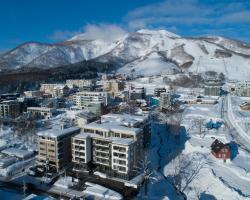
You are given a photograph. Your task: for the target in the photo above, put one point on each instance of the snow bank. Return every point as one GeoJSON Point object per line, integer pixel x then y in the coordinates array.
{"type": "Point", "coordinates": [64, 182]}
{"type": "Point", "coordinates": [96, 190]}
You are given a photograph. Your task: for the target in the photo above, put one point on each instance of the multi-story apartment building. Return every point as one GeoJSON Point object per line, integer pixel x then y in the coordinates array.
{"type": "Point", "coordinates": [242, 89]}
{"type": "Point", "coordinates": [10, 108]}
{"type": "Point", "coordinates": [81, 83]}
{"type": "Point", "coordinates": [9, 96]}
{"type": "Point", "coordinates": [54, 146]}
{"type": "Point", "coordinates": [158, 91]}
{"type": "Point", "coordinates": [84, 118]}
{"type": "Point", "coordinates": [113, 86]}
{"type": "Point", "coordinates": [117, 143]}
{"type": "Point", "coordinates": [114, 156]}
{"type": "Point", "coordinates": [137, 93]}
{"type": "Point", "coordinates": [166, 100]}
{"type": "Point", "coordinates": [43, 112]}
{"type": "Point", "coordinates": [212, 87]}
{"type": "Point", "coordinates": [83, 99]}
{"type": "Point", "coordinates": [56, 90]}
{"type": "Point", "coordinates": [81, 151]}
{"type": "Point", "coordinates": [35, 93]}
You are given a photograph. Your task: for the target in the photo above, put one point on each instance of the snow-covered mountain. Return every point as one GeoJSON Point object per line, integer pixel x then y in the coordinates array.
{"type": "Point", "coordinates": [145, 52]}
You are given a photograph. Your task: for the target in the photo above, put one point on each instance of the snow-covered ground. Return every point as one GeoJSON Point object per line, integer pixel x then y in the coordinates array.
{"type": "Point", "coordinates": [211, 178]}
{"type": "Point", "coordinates": [99, 192]}
{"type": "Point", "coordinates": [223, 180]}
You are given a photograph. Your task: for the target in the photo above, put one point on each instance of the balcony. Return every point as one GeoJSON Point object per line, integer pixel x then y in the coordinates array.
{"type": "Point", "coordinates": [100, 143]}
{"type": "Point", "coordinates": [101, 149]}
{"type": "Point", "coordinates": [119, 149]}
{"type": "Point", "coordinates": [79, 148]}
{"type": "Point", "coordinates": [118, 155]}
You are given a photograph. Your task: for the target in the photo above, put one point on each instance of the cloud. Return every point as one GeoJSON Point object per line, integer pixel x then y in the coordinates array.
{"type": "Point", "coordinates": [103, 32]}
{"type": "Point", "coordinates": [62, 35]}
{"type": "Point", "coordinates": [188, 15]}
{"type": "Point", "coordinates": [106, 32]}
{"type": "Point", "coordinates": [241, 17]}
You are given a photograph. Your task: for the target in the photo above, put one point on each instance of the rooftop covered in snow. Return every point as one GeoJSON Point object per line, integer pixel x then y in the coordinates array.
{"type": "Point", "coordinates": [113, 140]}
{"type": "Point", "coordinates": [58, 131]}
{"type": "Point", "coordinates": [19, 153]}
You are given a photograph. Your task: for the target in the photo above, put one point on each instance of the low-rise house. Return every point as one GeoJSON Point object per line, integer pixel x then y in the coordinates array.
{"type": "Point", "coordinates": [7, 161]}
{"type": "Point", "coordinates": [245, 106]}
{"type": "Point", "coordinates": [220, 150]}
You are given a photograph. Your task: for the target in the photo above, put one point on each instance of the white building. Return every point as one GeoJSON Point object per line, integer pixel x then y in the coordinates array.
{"type": "Point", "coordinates": [115, 155]}
{"type": "Point", "coordinates": [83, 99]}
{"type": "Point", "coordinates": [43, 112]}
{"type": "Point", "coordinates": [81, 83]}
{"type": "Point", "coordinates": [242, 89]}
{"type": "Point", "coordinates": [56, 90]}
{"type": "Point", "coordinates": [117, 143]}
{"type": "Point", "coordinates": [81, 150]}
{"type": "Point", "coordinates": [35, 93]}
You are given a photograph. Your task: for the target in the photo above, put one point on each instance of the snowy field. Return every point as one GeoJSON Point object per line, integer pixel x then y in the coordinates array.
{"type": "Point", "coordinates": [224, 180]}
{"type": "Point", "coordinates": [208, 177]}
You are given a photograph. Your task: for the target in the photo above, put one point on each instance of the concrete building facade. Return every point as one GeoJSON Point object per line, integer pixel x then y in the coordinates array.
{"type": "Point", "coordinates": [83, 99]}
{"type": "Point", "coordinates": [42, 112]}
{"type": "Point", "coordinates": [10, 108]}
{"type": "Point", "coordinates": [242, 89]}
{"type": "Point", "coordinates": [54, 147]}
{"type": "Point", "coordinates": [117, 143]}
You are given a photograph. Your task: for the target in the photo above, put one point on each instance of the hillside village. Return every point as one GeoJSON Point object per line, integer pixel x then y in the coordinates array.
{"type": "Point", "coordinates": [123, 137]}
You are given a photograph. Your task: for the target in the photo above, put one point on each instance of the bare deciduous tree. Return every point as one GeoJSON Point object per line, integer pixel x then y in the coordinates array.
{"type": "Point", "coordinates": [186, 169]}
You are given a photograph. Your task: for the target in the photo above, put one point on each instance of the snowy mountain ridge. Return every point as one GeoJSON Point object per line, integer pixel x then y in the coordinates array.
{"type": "Point", "coordinates": [145, 52]}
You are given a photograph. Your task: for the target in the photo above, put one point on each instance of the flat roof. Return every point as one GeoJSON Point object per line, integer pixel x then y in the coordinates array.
{"type": "Point", "coordinates": [83, 135]}
{"type": "Point", "coordinates": [41, 108]}
{"type": "Point", "coordinates": [118, 123]}
{"type": "Point", "coordinates": [114, 140]}
{"type": "Point", "coordinates": [57, 132]}
{"type": "Point", "coordinates": [20, 153]}
{"type": "Point", "coordinates": [122, 141]}
{"type": "Point", "coordinates": [86, 115]}
{"type": "Point", "coordinates": [124, 117]}
{"type": "Point", "coordinates": [110, 126]}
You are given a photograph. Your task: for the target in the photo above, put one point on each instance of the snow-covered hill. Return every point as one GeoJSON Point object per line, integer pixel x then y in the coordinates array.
{"type": "Point", "coordinates": [145, 52]}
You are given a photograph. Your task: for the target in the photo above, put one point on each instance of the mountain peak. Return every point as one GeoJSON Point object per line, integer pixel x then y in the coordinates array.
{"type": "Point", "coordinates": [157, 32]}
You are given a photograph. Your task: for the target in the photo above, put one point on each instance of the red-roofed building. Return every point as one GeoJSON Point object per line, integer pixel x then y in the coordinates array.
{"type": "Point", "coordinates": [220, 150]}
